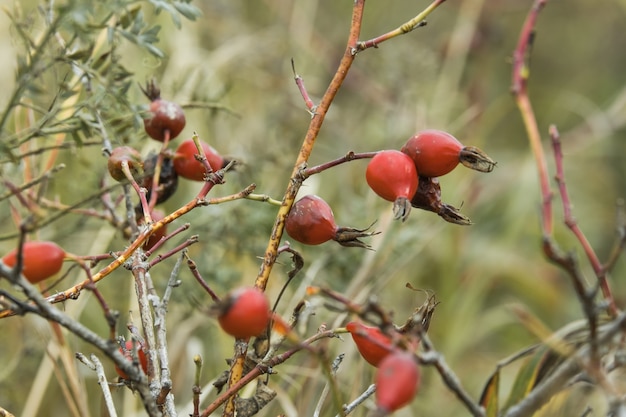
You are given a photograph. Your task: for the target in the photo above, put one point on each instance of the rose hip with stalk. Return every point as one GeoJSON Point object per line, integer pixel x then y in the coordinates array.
{"type": "Point", "coordinates": [127, 351]}
{"type": "Point", "coordinates": [435, 153]}
{"type": "Point", "coordinates": [244, 313]}
{"type": "Point", "coordinates": [392, 175]}
{"type": "Point", "coordinates": [372, 344]}
{"type": "Point", "coordinates": [187, 166]}
{"type": "Point", "coordinates": [124, 155]}
{"type": "Point", "coordinates": [41, 260]}
{"type": "Point", "coordinates": [397, 382]}
{"type": "Point", "coordinates": [164, 116]}
{"type": "Point", "coordinates": [311, 221]}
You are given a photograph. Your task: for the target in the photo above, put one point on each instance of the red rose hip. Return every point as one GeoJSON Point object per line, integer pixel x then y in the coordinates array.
{"type": "Point", "coordinates": [244, 313]}
{"type": "Point", "coordinates": [186, 164]}
{"type": "Point", "coordinates": [436, 153]}
{"type": "Point", "coordinates": [127, 351]}
{"type": "Point", "coordinates": [164, 117]}
{"type": "Point", "coordinates": [372, 344]}
{"type": "Point", "coordinates": [397, 382]}
{"type": "Point", "coordinates": [41, 260]}
{"type": "Point", "coordinates": [393, 176]}
{"type": "Point", "coordinates": [311, 221]}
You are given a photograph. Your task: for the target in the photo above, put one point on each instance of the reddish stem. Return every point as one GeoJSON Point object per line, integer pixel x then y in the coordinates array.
{"type": "Point", "coordinates": [570, 221]}
{"type": "Point", "coordinates": [350, 156]}
{"type": "Point", "coordinates": [300, 83]}
{"type": "Point", "coordinates": [519, 89]}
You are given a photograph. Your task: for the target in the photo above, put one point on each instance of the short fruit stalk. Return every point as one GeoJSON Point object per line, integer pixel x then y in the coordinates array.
{"type": "Point", "coordinates": [311, 221]}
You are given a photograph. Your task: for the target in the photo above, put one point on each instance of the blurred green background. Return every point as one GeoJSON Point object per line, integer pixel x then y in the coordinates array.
{"type": "Point", "coordinates": [454, 74]}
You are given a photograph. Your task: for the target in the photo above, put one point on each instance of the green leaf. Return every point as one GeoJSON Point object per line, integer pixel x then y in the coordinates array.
{"type": "Point", "coordinates": [528, 375]}
{"type": "Point", "coordinates": [489, 397]}
{"type": "Point", "coordinates": [190, 11]}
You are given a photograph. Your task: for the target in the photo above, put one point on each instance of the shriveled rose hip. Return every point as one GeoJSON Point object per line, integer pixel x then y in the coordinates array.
{"type": "Point", "coordinates": [392, 175]}
{"type": "Point", "coordinates": [124, 155]}
{"type": "Point", "coordinates": [311, 221]}
{"type": "Point", "coordinates": [168, 178]}
{"type": "Point", "coordinates": [436, 153]}
{"type": "Point", "coordinates": [428, 197]}
{"type": "Point", "coordinates": [41, 260]}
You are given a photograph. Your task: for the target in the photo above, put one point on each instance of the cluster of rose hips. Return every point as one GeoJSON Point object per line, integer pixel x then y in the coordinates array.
{"type": "Point", "coordinates": [397, 375]}
{"type": "Point", "coordinates": [408, 178]}
{"type": "Point", "coordinates": [164, 122]}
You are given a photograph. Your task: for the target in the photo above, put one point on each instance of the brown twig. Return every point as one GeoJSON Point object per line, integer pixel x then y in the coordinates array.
{"type": "Point", "coordinates": [431, 357]}
{"type": "Point", "coordinates": [196, 274]}
{"type": "Point", "coordinates": [350, 156]}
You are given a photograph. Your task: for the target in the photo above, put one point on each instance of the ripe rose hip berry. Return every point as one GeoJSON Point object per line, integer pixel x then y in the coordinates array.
{"type": "Point", "coordinates": [244, 313]}
{"type": "Point", "coordinates": [435, 153]}
{"type": "Point", "coordinates": [428, 197]}
{"type": "Point", "coordinates": [392, 175]}
{"type": "Point", "coordinates": [164, 116]}
{"type": "Point", "coordinates": [127, 351]}
{"type": "Point", "coordinates": [311, 221]}
{"type": "Point", "coordinates": [41, 260]}
{"type": "Point", "coordinates": [372, 344]}
{"type": "Point", "coordinates": [186, 164]}
{"type": "Point", "coordinates": [124, 155]}
{"type": "Point", "coordinates": [397, 382]}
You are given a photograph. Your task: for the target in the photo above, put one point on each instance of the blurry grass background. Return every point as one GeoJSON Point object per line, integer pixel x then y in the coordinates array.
{"type": "Point", "coordinates": [453, 74]}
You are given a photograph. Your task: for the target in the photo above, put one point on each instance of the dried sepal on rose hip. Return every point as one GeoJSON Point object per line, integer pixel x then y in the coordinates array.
{"type": "Point", "coordinates": [127, 350]}
{"type": "Point", "coordinates": [393, 176]}
{"type": "Point", "coordinates": [243, 313]}
{"type": "Point", "coordinates": [397, 382]}
{"type": "Point", "coordinates": [124, 155]}
{"type": "Point", "coordinates": [311, 221]}
{"type": "Point", "coordinates": [164, 117]}
{"type": "Point", "coordinates": [428, 197]}
{"type": "Point", "coordinates": [188, 166]}
{"type": "Point", "coordinates": [371, 342]}
{"type": "Point", "coordinates": [41, 260]}
{"type": "Point", "coordinates": [436, 153]}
